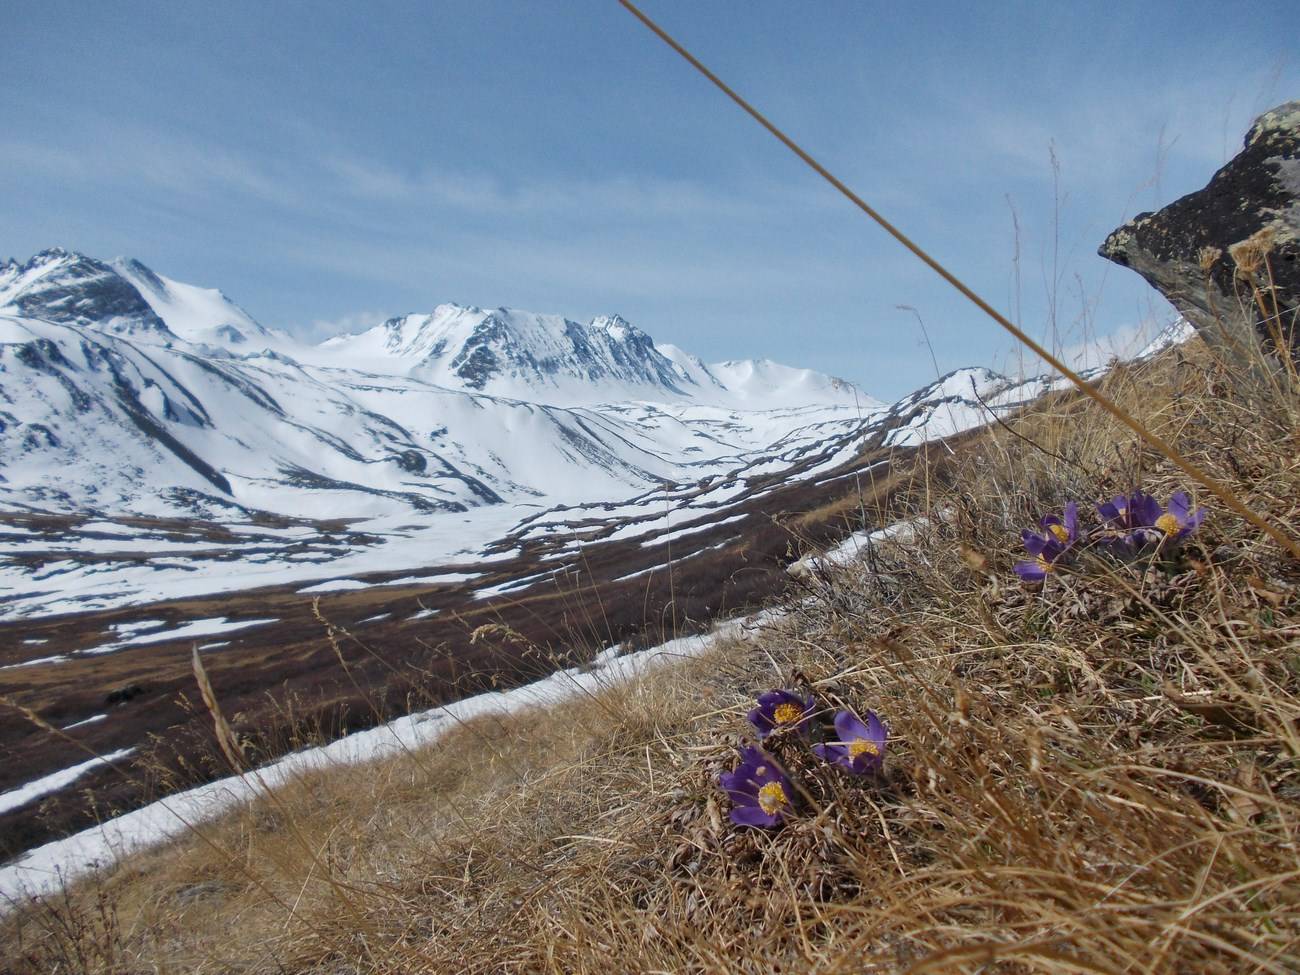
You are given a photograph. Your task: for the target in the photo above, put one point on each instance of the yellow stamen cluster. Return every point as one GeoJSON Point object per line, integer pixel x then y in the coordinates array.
{"type": "Point", "coordinates": [1168, 524]}
{"type": "Point", "coordinates": [787, 713]}
{"type": "Point", "coordinates": [863, 747]}
{"type": "Point", "coordinates": [1060, 532]}
{"type": "Point", "coordinates": [1044, 564]}
{"type": "Point", "coordinates": [772, 798]}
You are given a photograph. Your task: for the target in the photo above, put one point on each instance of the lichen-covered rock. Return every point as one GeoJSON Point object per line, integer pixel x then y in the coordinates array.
{"type": "Point", "coordinates": [1228, 256]}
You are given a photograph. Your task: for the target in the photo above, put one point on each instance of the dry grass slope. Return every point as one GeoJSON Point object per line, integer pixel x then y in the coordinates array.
{"type": "Point", "coordinates": [1096, 777]}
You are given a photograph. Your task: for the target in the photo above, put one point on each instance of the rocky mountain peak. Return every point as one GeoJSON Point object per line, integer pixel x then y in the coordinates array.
{"type": "Point", "coordinates": [520, 353]}
{"type": "Point", "coordinates": [617, 326]}
{"type": "Point", "coordinates": [69, 288]}
{"type": "Point", "coordinates": [53, 254]}
{"type": "Point", "coordinates": [1280, 123]}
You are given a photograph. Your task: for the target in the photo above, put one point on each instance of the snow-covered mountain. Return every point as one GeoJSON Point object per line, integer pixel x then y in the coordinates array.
{"type": "Point", "coordinates": [123, 297]}
{"type": "Point", "coordinates": [543, 358]}
{"type": "Point", "coordinates": [459, 438]}
{"type": "Point", "coordinates": [550, 359]}
{"type": "Point", "coordinates": [123, 391]}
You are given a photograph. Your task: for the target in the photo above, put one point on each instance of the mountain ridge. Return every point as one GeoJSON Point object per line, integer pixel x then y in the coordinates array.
{"type": "Point", "coordinates": [125, 391]}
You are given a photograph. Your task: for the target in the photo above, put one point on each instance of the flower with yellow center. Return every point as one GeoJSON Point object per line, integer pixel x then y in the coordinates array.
{"type": "Point", "coordinates": [761, 795]}
{"type": "Point", "coordinates": [780, 711]}
{"type": "Point", "coordinates": [863, 747]}
{"type": "Point", "coordinates": [1144, 522]}
{"type": "Point", "coordinates": [1057, 536]}
{"type": "Point", "coordinates": [1168, 524]}
{"type": "Point", "coordinates": [787, 714]}
{"type": "Point", "coordinates": [772, 798]}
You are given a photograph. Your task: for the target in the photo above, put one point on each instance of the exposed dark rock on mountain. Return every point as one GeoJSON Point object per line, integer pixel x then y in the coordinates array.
{"type": "Point", "coordinates": [79, 290]}
{"type": "Point", "coordinates": [480, 350]}
{"type": "Point", "coordinates": [1233, 246]}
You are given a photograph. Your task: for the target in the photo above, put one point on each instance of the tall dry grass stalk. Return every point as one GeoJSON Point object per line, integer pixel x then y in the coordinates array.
{"type": "Point", "coordinates": [1143, 431]}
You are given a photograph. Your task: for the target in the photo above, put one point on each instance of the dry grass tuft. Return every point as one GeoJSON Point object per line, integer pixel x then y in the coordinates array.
{"type": "Point", "coordinates": [1096, 777]}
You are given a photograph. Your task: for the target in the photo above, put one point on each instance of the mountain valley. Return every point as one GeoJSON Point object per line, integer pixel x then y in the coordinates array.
{"type": "Point", "coordinates": [333, 526]}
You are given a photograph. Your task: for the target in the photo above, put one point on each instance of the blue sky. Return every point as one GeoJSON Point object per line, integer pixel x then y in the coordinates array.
{"type": "Point", "coordinates": [327, 165]}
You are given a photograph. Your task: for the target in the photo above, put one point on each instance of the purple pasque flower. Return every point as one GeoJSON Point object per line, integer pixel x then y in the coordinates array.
{"type": "Point", "coordinates": [861, 748]}
{"type": "Point", "coordinates": [1059, 533]}
{"type": "Point", "coordinates": [1179, 520]}
{"type": "Point", "coordinates": [780, 711]}
{"type": "Point", "coordinates": [1144, 522]}
{"type": "Point", "coordinates": [761, 795]}
{"type": "Point", "coordinates": [1131, 512]}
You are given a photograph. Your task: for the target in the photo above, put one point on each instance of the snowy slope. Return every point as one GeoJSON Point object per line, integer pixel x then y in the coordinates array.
{"type": "Point", "coordinates": [122, 391]}
{"type": "Point", "coordinates": [448, 438]}
{"type": "Point", "coordinates": [549, 359]}
{"type": "Point", "coordinates": [201, 316]}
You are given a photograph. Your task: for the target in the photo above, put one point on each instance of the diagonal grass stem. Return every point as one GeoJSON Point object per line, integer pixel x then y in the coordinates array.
{"type": "Point", "coordinates": [1211, 484]}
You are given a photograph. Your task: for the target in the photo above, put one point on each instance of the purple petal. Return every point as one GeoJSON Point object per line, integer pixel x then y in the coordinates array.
{"type": "Point", "coordinates": [1180, 507]}
{"type": "Point", "coordinates": [849, 727]}
{"type": "Point", "coordinates": [761, 722]}
{"type": "Point", "coordinates": [1030, 571]}
{"type": "Point", "coordinates": [837, 755]}
{"type": "Point", "coordinates": [1140, 539]}
{"type": "Point", "coordinates": [752, 816]}
{"type": "Point", "coordinates": [831, 751]}
{"type": "Point", "coordinates": [865, 764]}
{"type": "Point", "coordinates": [739, 787]}
{"type": "Point", "coordinates": [1112, 510]}
{"type": "Point", "coordinates": [876, 730]}
{"type": "Point", "coordinates": [1131, 542]}
{"type": "Point", "coordinates": [1072, 519]}
{"type": "Point", "coordinates": [1144, 510]}
{"type": "Point", "coordinates": [1034, 544]}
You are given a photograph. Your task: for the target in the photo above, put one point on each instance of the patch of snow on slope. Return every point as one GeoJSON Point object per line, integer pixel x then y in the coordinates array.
{"type": "Point", "coordinates": [192, 630]}
{"type": "Point", "coordinates": [46, 869]}
{"type": "Point", "coordinates": [94, 719]}
{"type": "Point", "coordinates": [336, 585]}
{"type": "Point", "coordinates": [54, 781]}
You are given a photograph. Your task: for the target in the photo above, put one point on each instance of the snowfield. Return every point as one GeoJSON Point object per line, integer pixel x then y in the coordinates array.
{"type": "Point", "coordinates": [125, 394]}
{"type": "Point", "coordinates": [424, 441]}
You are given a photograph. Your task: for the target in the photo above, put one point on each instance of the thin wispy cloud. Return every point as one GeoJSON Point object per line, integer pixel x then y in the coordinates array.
{"type": "Point", "coordinates": [620, 195]}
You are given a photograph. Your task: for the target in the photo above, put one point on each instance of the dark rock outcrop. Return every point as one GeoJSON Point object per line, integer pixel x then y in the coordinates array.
{"type": "Point", "coordinates": [72, 289]}
{"type": "Point", "coordinates": [1228, 256]}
